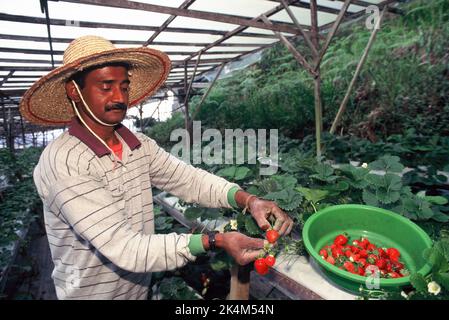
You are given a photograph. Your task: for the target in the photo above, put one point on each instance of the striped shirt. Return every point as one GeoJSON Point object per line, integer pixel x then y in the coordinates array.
{"type": "Point", "coordinates": [99, 214]}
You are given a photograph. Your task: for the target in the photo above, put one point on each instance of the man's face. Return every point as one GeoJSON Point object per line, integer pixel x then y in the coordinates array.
{"type": "Point", "coordinates": [106, 91]}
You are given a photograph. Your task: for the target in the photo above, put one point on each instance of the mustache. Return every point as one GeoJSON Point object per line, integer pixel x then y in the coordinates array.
{"type": "Point", "coordinates": [115, 106]}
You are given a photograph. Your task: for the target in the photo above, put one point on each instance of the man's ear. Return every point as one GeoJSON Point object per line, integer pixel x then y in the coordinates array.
{"type": "Point", "coordinates": [71, 91]}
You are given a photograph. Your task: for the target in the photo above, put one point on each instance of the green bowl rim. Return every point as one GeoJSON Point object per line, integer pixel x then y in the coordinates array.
{"type": "Point", "coordinates": [357, 278]}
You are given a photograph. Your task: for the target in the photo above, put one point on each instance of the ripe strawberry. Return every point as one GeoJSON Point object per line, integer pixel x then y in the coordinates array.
{"type": "Point", "coordinates": [354, 249]}
{"type": "Point", "coordinates": [340, 240]}
{"type": "Point", "coordinates": [394, 275]}
{"type": "Point", "coordinates": [272, 235]}
{"type": "Point", "coordinates": [393, 254]}
{"type": "Point", "coordinates": [382, 253]}
{"type": "Point", "coordinates": [349, 266]}
{"type": "Point", "coordinates": [323, 253]}
{"type": "Point", "coordinates": [364, 243]}
{"type": "Point", "coordinates": [363, 253]}
{"type": "Point", "coordinates": [371, 247]}
{"type": "Point", "coordinates": [336, 252]}
{"type": "Point", "coordinates": [331, 260]}
{"type": "Point", "coordinates": [270, 260]}
{"type": "Point", "coordinates": [397, 266]}
{"type": "Point", "coordinates": [357, 243]}
{"type": "Point", "coordinates": [261, 266]}
{"type": "Point", "coordinates": [381, 263]}
{"type": "Point", "coordinates": [361, 271]}
{"type": "Point", "coordinates": [362, 262]}
{"type": "Point", "coordinates": [348, 254]}
{"type": "Point", "coordinates": [372, 258]}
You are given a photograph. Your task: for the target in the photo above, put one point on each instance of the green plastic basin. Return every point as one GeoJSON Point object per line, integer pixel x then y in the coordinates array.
{"type": "Point", "coordinates": [382, 227]}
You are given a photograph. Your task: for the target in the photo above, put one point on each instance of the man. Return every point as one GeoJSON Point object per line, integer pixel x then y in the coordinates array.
{"type": "Point", "coordinates": [95, 180]}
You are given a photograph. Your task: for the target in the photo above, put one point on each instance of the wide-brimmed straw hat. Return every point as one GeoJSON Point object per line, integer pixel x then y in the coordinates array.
{"type": "Point", "coordinates": [46, 102]}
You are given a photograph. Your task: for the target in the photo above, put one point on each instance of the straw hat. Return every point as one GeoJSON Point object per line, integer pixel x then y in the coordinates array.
{"type": "Point", "coordinates": [46, 102]}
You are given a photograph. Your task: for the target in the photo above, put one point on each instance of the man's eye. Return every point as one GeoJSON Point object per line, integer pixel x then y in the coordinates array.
{"type": "Point", "coordinates": [106, 88]}
{"type": "Point", "coordinates": [125, 89]}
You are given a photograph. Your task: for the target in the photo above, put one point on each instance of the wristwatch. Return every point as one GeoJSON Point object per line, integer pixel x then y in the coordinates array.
{"type": "Point", "coordinates": [212, 242]}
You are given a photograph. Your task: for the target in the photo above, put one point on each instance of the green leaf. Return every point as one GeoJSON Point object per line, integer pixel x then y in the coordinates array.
{"type": "Point", "coordinates": [418, 282]}
{"type": "Point", "coordinates": [440, 217]}
{"type": "Point", "coordinates": [193, 213]}
{"type": "Point", "coordinates": [370, 198]}
{"type": "Point", "coordinates": [324, 172]}
{"type": "Point", "coordinates": [393, 181]}
{"type": "Point", "coordinates": [277, 195]}
{"type": "Point", "coordinates": [251, 226]}
{"type": "Point", "coordinates": [340, 186]}
{"type": "Point", "coordinates": [386, 196]}
{"type": "Point", "coordinates": [376, 180]}
{"type": "Point", "coordinates": [285, 181]}
{"type": "Point", "coordinates": [387, 164]}
{"type": "Point", "coordinates": [436, 259]}
{"type": "Point", "coordinates": [442, 279]}
{"type": "Point", "coordinates": [313, 195]}
{"type": "Point", "coordinates": [221, 261]}
{"type": "Point", "coordinates": [293, 200]}
{"type": "Point", "coordinates": [443, 247]}
{"type": "Point", "coordinates": [211, 213]}
{"type": "Point", "coordinates": [439, 200]}
{"type": "Point", "coordinates": [241, 173]}
{"type": "Point", "coordinates": [228, 172]}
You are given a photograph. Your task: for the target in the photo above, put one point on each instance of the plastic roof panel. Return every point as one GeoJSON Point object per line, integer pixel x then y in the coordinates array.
{"type": "Point", "coordinates": [222, 30]}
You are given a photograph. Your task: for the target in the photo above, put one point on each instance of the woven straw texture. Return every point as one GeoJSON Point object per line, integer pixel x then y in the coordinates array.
{"type": "Point", "coordinates": [46, 102]}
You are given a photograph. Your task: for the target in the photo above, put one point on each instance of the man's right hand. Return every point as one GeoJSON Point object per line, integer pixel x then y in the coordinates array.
{"type": "Point", "coordinates": [242, 248]}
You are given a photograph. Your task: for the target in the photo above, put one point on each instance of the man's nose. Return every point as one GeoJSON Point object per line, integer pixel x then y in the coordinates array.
{"type": "Point", "coordinates": [119, 95]}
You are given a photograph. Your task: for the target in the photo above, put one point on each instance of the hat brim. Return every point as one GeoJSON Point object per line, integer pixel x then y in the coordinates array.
{"type": "Point", "coordinates": [46, 102]}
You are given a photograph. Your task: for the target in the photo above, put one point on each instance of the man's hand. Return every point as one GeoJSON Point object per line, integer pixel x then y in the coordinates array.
{"type": "Point", "coordinates": [261, 210]}
{"type": "Point", "coordinates": [242, 248]}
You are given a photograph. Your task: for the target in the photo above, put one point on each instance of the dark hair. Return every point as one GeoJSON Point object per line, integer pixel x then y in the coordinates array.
{"type": "Point", "coordinates": [80, 76]}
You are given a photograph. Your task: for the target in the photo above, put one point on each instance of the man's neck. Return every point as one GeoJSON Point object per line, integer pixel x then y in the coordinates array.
{"type": "Point", "coordinates": [104, 132]}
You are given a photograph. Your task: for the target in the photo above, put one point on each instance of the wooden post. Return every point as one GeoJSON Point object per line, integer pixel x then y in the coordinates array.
{"type": "Point", "coordinates": [240, 280]}
{"type": "Point", "coordinates": [186, 109]}
{"type": "Point", "coordinates": [23, 130]}
{"type": "Point", "coordinates": [332, 33]}
{"type": "Point", "coordinates": [317, 79]}
{"type": "Point", "coordinates": [342, 108]}
{"type": "Point", "coordinates": [207, 92]}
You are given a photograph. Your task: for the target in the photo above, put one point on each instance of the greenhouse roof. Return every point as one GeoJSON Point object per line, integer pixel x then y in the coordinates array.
{"type": "Point", "coordinates": [34, 38]}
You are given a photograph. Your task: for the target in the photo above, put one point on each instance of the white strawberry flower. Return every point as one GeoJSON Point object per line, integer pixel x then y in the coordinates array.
{"type": "Point", "coordinates": [433, 288]}
{"type": "Point", "coordinates": [403, 294]}
{"type": "Point", "coordinates": [365, 165]}
{"type": "Point", "coordinates": [233, 224]}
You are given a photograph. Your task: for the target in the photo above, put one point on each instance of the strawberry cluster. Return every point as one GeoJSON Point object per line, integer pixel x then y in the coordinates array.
{"type": "Point", "coordinates": [263, 264]}
{"type": "Point", "coordinates": [363, 258]}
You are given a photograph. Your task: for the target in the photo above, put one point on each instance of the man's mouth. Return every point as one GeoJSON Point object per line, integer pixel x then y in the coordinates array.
{"type": "Point", "coordinates": [116, 107]}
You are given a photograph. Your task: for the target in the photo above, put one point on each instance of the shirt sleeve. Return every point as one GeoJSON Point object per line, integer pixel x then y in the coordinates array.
{"type": "Point", "coordinates": [191, 184]}
{"type": "Point", "coordinates": [85, 203]}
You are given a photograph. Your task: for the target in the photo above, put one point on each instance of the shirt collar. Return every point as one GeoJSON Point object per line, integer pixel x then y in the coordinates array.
{"type": "Point", "coordinates": [78, 130]}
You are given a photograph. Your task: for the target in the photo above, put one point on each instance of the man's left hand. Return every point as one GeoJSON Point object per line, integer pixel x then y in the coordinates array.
{"type": "Point", "coordinates": [261, 210]}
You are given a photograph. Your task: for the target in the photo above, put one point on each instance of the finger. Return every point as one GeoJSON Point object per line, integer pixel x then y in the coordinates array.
{"type": "Point", "coordinates": [281, 218]}
{"type": "Point", "coordinates": [290, 227]}
{"type": "Point", "coordinates": [284, 227]}
{"type": "Point", "coordinates": [255, 243]}
{"type": "Point", "coordinates": [261, 221]}
{"type": "Point", "coordinates": [250, 256]}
